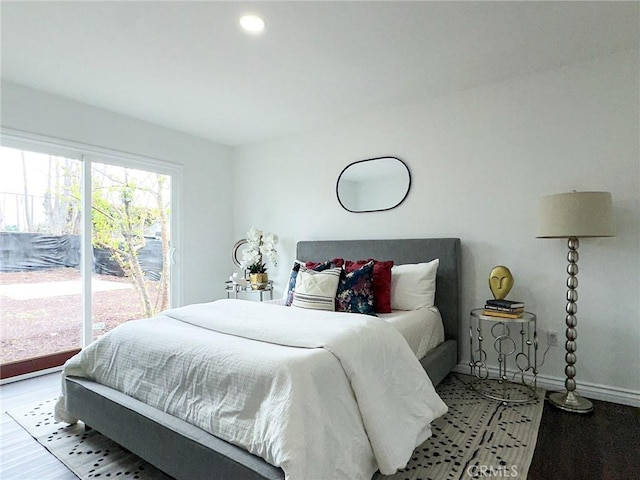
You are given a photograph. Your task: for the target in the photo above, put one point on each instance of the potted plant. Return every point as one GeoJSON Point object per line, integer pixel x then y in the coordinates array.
{"type": "Point", "coordinates": [259, 245]}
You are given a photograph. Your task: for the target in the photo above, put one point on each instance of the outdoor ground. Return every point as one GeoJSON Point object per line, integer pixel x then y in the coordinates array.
{"type": "Point", "coordinates": [41, 313]}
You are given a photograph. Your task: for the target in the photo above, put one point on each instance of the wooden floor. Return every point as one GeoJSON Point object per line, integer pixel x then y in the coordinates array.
{"type": "Point", "coordinates": [21, 457]}
{"type": "Point", "coordinates": [603, 445]}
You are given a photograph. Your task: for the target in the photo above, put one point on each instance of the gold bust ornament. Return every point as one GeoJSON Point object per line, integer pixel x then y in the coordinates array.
{"type": "Point", "coordinates": [500, 282]}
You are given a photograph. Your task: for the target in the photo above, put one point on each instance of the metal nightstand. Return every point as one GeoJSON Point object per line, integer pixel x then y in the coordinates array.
{"type": "Point", "coordinates": [233, 289]}
{"type": "Point", "coordinates": [525, 356]}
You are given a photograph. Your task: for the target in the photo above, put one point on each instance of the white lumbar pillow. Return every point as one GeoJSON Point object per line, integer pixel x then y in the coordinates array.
{"type": "Point", "coordinates": [316, 290]}
{"type": "Point", "coordinates": [413, 285]}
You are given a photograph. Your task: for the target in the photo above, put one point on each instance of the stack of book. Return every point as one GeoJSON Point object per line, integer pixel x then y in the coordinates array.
{"type": "Point", "coordinates": [504, 308]}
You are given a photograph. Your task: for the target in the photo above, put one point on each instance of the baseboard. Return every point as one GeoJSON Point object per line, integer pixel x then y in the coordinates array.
{"type": "Point", "coordinates": [26, 376]}
{"type": "Point", "coordinates": [589, 390]}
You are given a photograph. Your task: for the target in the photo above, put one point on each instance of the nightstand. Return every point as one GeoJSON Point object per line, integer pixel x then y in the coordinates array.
{"type": "Point", "coordinates": [235, 289]}
{"type": "Point", "coordinates": [511, 340]}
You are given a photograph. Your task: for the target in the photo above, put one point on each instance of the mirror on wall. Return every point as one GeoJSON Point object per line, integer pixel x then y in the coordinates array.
{"type": "Point", "coordinates": [373, 185]}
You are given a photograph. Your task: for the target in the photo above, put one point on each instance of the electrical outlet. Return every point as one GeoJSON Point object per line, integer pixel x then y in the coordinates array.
{"type": "Point", "coordinates": [552, 338]}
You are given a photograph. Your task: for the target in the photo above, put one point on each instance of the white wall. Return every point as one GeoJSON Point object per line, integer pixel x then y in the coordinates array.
{"type": "Point", "coordinates": [480, 160]}
{"type": "Point", "coordinates": [206, 217]}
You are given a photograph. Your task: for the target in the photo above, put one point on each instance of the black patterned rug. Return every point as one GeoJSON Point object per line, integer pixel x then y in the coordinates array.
{"type": "Point", "coordinates": [476, 438]}
{"type": "Point", "coordinates": [86, 453]}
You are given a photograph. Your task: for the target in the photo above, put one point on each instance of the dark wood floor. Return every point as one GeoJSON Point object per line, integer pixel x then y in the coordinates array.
{"type": "Point", "coordinates": [602, 445]}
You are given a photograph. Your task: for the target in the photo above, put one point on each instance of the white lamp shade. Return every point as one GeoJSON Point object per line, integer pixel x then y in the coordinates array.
{"type": "Point", "coordinates": [576, 214]}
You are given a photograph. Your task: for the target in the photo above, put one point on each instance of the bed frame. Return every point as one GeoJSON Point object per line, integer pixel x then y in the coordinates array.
{"type": "Point", "coordinates": [187, 452]}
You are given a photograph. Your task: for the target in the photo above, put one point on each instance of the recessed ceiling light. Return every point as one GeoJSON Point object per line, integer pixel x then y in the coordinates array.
{"type": "Point", "coordinates": [252, 23]}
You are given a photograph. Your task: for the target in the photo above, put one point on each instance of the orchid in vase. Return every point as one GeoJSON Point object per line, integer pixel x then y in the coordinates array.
{"type": "Point", "coordinates": [259, 245]}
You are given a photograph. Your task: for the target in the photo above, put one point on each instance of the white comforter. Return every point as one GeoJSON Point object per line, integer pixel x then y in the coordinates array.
{"type": "Point", "coordinates": [322, 395]}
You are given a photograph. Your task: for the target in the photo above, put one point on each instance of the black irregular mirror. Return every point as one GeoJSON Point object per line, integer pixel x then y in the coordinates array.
{"type": "Point", "coordinates": [373, 185]}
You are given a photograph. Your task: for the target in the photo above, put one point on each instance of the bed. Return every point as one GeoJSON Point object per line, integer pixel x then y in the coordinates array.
{"type": "Point", "coordinates": [187, 451]}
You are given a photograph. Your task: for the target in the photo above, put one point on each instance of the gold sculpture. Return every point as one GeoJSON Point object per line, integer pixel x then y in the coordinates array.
{"type": "Point", "coordinates": [500, 282]}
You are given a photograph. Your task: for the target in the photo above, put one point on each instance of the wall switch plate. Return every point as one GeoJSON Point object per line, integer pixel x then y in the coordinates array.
{"type": "Point", "coordinates": [552, 338]}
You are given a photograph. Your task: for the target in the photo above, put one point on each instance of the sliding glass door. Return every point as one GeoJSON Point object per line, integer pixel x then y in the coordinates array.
{"type": "Point", "coordinates": [131, 241]}
{"type": "Point", "coordinates": [85, 245]}
{"type": "Point", "coordinates": [40, 238]}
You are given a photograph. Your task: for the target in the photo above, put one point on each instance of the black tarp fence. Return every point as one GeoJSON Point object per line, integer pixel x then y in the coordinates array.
{"type": "Point", "coordinates": [21, 252]}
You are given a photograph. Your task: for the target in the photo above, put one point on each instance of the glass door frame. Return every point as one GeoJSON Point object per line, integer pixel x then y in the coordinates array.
{"type": "Point", "coordinates": [88, 154]}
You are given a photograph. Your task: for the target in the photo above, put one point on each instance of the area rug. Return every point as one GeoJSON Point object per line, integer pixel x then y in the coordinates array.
{"type": "Point", "coordinates": [86, 453]}
{"type": "Point", "coordinates": [476, 438]}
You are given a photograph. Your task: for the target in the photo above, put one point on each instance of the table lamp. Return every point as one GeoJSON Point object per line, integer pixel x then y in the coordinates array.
{"type": "Point", "coordinates": [573, 215]}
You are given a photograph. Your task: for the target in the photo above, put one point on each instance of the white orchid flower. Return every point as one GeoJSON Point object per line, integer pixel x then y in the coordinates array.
{"type": "Point", "coordinates": [254, 235]}
{"type": "Point", "coordinates": [259, 243]}
{"type": "Point", "coordinates": [270, 239]}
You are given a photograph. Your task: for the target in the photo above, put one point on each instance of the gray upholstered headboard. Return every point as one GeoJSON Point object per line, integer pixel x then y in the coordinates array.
{"type": "Point", "coordinates": [418, 250]}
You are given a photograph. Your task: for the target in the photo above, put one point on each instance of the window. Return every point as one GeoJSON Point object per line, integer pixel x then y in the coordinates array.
{"type": "Point", "coordinates": [68, 276]}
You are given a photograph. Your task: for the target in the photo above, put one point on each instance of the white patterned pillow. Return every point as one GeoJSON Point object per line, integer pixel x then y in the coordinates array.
{"type": "Point", "coordinates": [316, 290]}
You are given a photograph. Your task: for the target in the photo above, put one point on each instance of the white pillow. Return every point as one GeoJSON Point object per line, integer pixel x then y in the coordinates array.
{"type": "Point", "coordinates": [413, 285]}
{"type": "Point", "coordinates": [316, 290]}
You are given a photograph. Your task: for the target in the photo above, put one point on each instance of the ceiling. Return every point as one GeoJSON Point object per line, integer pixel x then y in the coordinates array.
{"type": "Point", "coordinates": [188, 66]}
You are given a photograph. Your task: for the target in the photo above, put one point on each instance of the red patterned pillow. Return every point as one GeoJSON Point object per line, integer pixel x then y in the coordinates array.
{"type": "Point", "coordinates": [381, 282]}
{"type": "Point", "coordinates": [319, 266]}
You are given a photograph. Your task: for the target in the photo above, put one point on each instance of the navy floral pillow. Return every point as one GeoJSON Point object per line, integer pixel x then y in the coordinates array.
{"type": "Point", "coordinates": [355, 291]}
{"type": "Point", "coordinates": [292, 283]}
